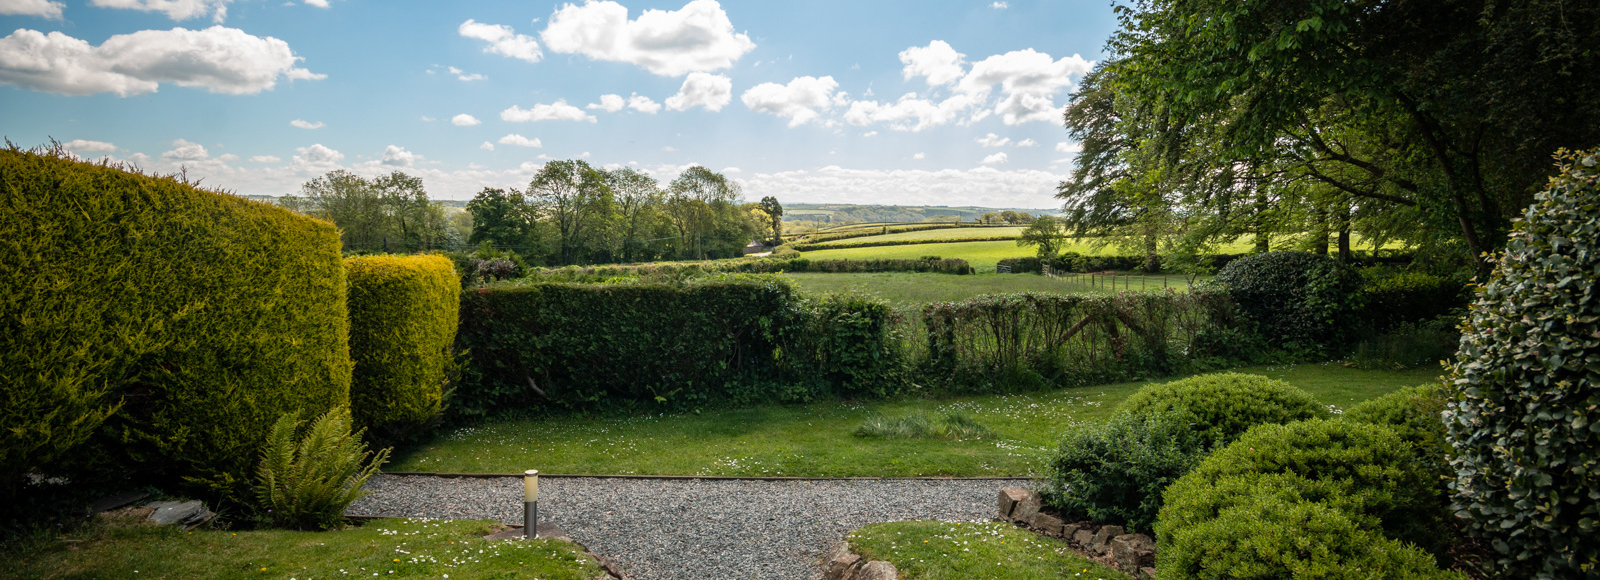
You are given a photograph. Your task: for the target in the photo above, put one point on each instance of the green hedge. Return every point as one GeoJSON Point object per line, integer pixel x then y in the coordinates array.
{"type": "Point", "coordinates": [403, 313]}
{"type": "Point", "coordinates": [810, 246]}
{"type": "Point", "coordinates": [1297, 300]}
{"type": "Point", "coordinates": [157, 329]}
{"type": "Point", "coordinates": [1222, 406]}
{"type": "Point", "coordinates": [683, 270]}
{"type": "Point", "coordinates": [1393, 299]}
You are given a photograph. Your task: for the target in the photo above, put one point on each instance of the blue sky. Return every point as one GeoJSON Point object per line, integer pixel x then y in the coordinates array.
{"type": "Point", "coordinates": [916, 102]}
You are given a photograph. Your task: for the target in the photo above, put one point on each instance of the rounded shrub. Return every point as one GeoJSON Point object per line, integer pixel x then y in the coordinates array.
{"type": "Point", "coordinates": [403, 313]}
{"type": "Point", "coordinates": [1115, 472]}
{"type": "Point", "coordinates": [1222, 406]}
{"type": "Point", "coordinates": [1297, 300]}
{"type": "Point", "coordinates": [1413, 413]}
{"type": "Point", "coordinates": [1524, 415]}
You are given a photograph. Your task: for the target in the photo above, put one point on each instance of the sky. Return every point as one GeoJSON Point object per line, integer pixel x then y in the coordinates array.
{"type": "Point", "coordinates": [872, 102]}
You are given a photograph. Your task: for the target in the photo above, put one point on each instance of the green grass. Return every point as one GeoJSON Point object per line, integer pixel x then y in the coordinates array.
{"type": "Point", "coordinates": [904, 289]}
{"type": "Point", "coordinates": [818, 440]}
{"type": "Point", "coordinates": [939, 234]}
{"type": "Point", "coordinates": [382, 548]}
{"type": "Point", "coordinates": [926, 550]}
{"type": "Point", "coordinates": [981, 255]}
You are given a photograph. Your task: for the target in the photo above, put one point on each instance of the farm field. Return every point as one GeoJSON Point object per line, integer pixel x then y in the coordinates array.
{"type": "Point", "coordinates": [981, 255]}
{"type": "Point", "coordinates": [908, 289]}
{"type": "Point", "coordinates": [938, 234]}
{"type": "Point", "coordinates": [817, 439]}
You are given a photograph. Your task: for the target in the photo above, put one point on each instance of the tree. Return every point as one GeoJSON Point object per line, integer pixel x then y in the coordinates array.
{"type": "Point", "coordinates": [350, 202]}
{"type": "Point", "coordinates": [1046, 235]}
{"type": "Point", "coordinates": [389, 211]}
{"type": "Point", "coordinates": [703, 207]}
{"type": "Point", "coordinates": [500, 217]}
{"type": "Point", "coordinates": [774, 211]}
{"type": "Point", "coordinates": [638, 199]}
{"type": "Point", "coordinates": [990, 218]}
{"type": "Point", "coordinates": [575, 198]}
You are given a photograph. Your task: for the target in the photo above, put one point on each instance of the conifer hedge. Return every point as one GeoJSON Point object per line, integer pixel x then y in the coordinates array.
{"type": "Point", "coordinates": [153, 327]}
{"type": "Point", "coordinates": [403, 312]}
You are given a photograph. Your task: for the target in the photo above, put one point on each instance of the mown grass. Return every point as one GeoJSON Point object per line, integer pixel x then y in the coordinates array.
{"type": "Point", "coordinates": [928, 550]}
{"type": "Point", "coordinates": [382, 548]}
{"type": "Point", "coordinates": [818, 440]}
{"type": "Point", "coordinates": [913, 289]}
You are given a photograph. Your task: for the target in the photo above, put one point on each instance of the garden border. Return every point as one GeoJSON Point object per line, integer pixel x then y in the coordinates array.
{"type": "Point", "coordinates": [724, 477]}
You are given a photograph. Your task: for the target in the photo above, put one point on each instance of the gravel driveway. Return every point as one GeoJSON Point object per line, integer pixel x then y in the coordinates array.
{"type": "Point", "coordinates": [660, 529]}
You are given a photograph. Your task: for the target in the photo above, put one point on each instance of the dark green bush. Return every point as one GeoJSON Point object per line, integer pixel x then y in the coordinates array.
{"type": "Point", "coordinates": [1115, 472]}
{"type": "Point", "coordinates": [845, 343]}
{"type": "Point", "coordinates": [1297, 300]}
{"type": "Point", "coordinates": [1524, 418]}
{"type": "Point", "coordinates": [1408, 345]}
{"type": "Point", "coordinates": [403, 313]}
{"type": "Point", "coordinates": [207, 316]}
{"type": "Point", "coordinates": [1396, 298]}
{"type": "Point", "coordinates": [1222, 406]}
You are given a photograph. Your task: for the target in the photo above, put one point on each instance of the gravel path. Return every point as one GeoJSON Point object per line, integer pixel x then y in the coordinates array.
{"type": "Point", "coordinates": [661, 529]}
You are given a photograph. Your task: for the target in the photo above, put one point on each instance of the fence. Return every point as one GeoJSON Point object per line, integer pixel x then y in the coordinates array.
{"type": "Point", "coordinates": [1105, 282]}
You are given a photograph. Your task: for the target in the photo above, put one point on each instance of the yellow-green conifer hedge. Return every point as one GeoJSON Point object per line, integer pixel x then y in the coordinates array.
{"type": "Point", "coordinates": [155, 328]}
{"type": "Point", "coordinates": [403, 313]}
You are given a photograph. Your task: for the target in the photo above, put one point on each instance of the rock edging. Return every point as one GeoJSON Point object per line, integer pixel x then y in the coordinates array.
{"type": "Point", "coordinates": [840, 563]}
{"type": "Point", "coordinates": [1133, 554]}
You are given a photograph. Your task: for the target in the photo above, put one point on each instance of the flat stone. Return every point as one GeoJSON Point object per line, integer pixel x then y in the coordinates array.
{"type": "Point", "coordinates": [1101, 542]}
{"type": "Point", "coordinates": [1047, 523]}
{"type": "Point", "coordinates": [1022, 504]}
{"type": "Point", "coordinates": [878, 570]}
{"type": "Point", "coordinates": [1070, 530]}
{"type": "Point", "coordinates": [116, 500]}
{"type": "Point", "coordinates": [1133, 551]}
{"type": "Point", "coordinates": [1082, 536]}
{"type": "Point", "coordinates": [839, 563]}
{"type": "Point", "coordinates": [184, 513]}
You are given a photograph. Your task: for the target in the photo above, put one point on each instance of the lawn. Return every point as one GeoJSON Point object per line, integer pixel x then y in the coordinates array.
{"type": "Point", "coordinates": [817, 439]}
{"type": "Point", "coordinates": [909, 289]}
{"type": "Point", "coordinates": [384, 548]}
{"type": "Point", "coordinates": [929, 550]}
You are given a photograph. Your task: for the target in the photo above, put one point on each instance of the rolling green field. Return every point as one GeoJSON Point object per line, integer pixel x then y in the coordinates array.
{"type": "Point", "coordinates": [939, 234]}
{"type": "Point", "coordinates": [910, 289]}
{"type": "Point", "coordinates": [818, 439]}
{"type": "Point", "coordinates": [982, 255]}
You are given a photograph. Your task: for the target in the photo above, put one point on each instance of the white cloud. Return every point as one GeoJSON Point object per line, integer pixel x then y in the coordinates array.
{"type": "Point", "coordinates": [984, 186]}
{"type": "Point", "coordinates": [487, 146]}
{"type": "Point", "coordinates": [304, 124]}
{"type": "Point", "coordinates": [798, 101]}
{"type": "Point", "coordinates": [609, 103]}
{"type": "Point", "coordinates": [174, 9]}
{"type": "Point", "coordinates": [870, 134]}
{"type": "Point", "coordinates": [502, 40]}
{"type": "Point", "coordinates": [222, 60]}
{"type": "Point", "coordinates": [1029, 80]}
{"type": "Point", "coordinates": [938, 62]}
{"type": "Point", "coordinates": [697, 37]}
{"type": "Point", "coordinates": [427, 119]}
{"type": "Point", "coordinates": [86, 146]}
{"type": "Point", "coordinates": [228, 157]}
{"type": "Point", "coordinates": [910, 113]}
{"type": "Point", "coordinates": [1027, 143]}
{"type": "Point", "coordinates": [993, 140]}
{"type": "Point", "coordinates": [462, 75]}
{"type": "Point", "coordinates": [643, 104]}
{"type": "Point", "coordinates": [999, 5]}
{"type": "Point", "coordinates": [317, 3]}
{"type": "Point", "coordinates": [920, 156]}
{"type": "Point", "coordinates": [316, 159]}
{"type": "Point", "coordinates": [186, 150]}
{"type": "Point", "coordinates": [995, 159]}
{"type": "Point", "coordinates": [40, 8]}
{"type": "Point", "coordinates": [669, 149]}
{"type": "Point", "coordinates": [557, 111]}
{"type": "Point", "coordinates": [702, 90]}
{"type": "Point", "coordinates": [465, 120]}
{"type": "Point", "coordinates": [1069, 147]}
{"type": "Point", "coordinates": [520, 141]}
{"type": "Point", "coordinates": [265, 159]}
{"type": "Point", "coordinates": [732, 170]}
{"type": "Point", "coordinates": [397, 156]}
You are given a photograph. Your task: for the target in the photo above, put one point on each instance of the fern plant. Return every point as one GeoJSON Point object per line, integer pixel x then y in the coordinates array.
{"type": "Point", "coordinates": [307, 479]}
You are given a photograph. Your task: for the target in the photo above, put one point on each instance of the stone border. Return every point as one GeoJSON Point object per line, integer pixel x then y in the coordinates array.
{"type": "Point", "coordinates": [1132, 554]}
{"type": "Point", "coordinates": [840, 563]}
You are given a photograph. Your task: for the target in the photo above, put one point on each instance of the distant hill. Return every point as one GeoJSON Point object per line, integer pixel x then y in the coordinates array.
{"type": "Point", "coordinates": [851, 213]}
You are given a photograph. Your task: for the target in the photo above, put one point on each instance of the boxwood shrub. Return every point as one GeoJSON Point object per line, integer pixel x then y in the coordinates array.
{"type": "Point", "coordinates": [154, 329]}
{"type": "Point", "coordinates": [1114, 472]}
{"type": "Point", "coordinates": [403, 313]}
{"type": "Point", "coordinates": [1222, 406]}
{"type": "Point", "coordinates": [1524, 418]}
{"type": "Point", "coordinates": [1415, 414]}
{"type": "Point", "coordinates": [1297, 300]}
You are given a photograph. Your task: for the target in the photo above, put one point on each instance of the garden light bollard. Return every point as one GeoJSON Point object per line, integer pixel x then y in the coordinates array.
{"type": "Point", "coordinates": [530, 503]}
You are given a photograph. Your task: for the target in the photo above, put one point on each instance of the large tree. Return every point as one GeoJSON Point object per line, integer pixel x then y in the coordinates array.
{"type": "Point", "coordinates": [576, 199]}
{"type": "Point", "coordinates": [638, 200]}
{"type": "Point", "coordinates": [391, 211]}
{"type": "Point", "coordinates": [774, 213]}
{"type": "Point", "coordinates": [501, 217]}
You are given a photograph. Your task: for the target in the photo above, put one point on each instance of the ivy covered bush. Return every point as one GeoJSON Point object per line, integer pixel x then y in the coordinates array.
{"type": "Point", "coordinates": [1222, 406]}
{"type": "Point", "coordinates": [1297, 300]}
{"type": "Point", "coordinates": [1524, 415]}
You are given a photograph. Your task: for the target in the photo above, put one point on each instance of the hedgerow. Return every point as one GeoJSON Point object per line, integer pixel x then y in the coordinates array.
{"type": "Point", "coordinates": [153, 329]}
{"type": "Point", "coordinates": [403, 313]}
{"type": "Point", "coordinates": [1297, 300]}
{"type": "Point", "coordinates": [684, 270]}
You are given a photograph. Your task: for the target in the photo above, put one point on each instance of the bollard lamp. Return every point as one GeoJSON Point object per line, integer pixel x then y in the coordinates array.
{"type": "Point", "coordinates": [530, 503]}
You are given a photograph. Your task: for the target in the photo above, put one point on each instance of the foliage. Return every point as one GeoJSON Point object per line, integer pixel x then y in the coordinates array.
{"type": "Point", "coordinates": [1032, 340]}
{"type": "Point", "coordinates": [389, 212]}
{"type": "Point", "coordinates": [771, 265]}
{"type": "Point", "coordinates": [1046, 235]}
{"type": "Point", "coordinates": [953, 425]}
{"type": "Point", "coordinates": [1393, 298]}
{"type": "Point", "coordinates": [846, 342]}
{"type": "Point", "coordinates": [1310, 499]}
{"type": "Point", "coordinates": [1114, 472]}
{"type": "Point", "coordinates": [1296, 300]}
{"type": "Point", "coordinates": [1415, 414]}
{"type": "Point", "coordinates": [774, 212]}
{"type": "Point", "coordinates": [1525, 387]}
{"type": "Point", "coordinates": [1409, 345]}
{"type": "Point", "coordinates": [307, 477]}
{"type": "Point", "coordinates": [403, 313]}
{"type": "Point", "coordinates": [154, 329]}
{"type": "Point", "coordinates": [1221, 407]}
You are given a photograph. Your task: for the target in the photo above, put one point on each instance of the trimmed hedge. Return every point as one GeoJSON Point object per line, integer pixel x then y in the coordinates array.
{"type": "Point", "coordinates": [157, 329]}
{"type": "Point", "coordinates": [1311, 499]}
{"type": "Point", "coordinates": [1222, 406]}
{"type": "Point", "coordinates": [403, 313]}
{"type": "Point", "coordinates": [1298, 300]}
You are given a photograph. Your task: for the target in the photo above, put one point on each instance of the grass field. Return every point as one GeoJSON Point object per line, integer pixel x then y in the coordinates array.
{"type": "Point", "coordinates": [950, 550]}
{"type": "Point", "coordinates": [382, 548]}
{"type": "Point", "coordinates": [940, 234]}
{"type": "Point", "coordinates": [907, 289]}
{"type": "Point", "coordinates": [818, 439]}
{"type": "Point", "coordinates": [981, 255]}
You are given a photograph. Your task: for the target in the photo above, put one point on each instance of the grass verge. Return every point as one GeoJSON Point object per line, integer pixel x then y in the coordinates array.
{"type": "Point", "coordinates": [818, 440]}
{"type": "Point", "coordinates": [383, 548]}
{"type": "Point", "coordinates": [927, 550]}
{"type": "Point", "coordinates": [913, 289]}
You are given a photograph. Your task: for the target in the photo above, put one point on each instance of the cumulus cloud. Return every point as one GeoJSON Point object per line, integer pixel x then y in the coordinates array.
{"type": "Point", "coordinates": [920, 156]}
{"type": "Point", "coordinates": [910, 113]}
{"type": "Point", "coordinates": [304, 124]}
{"type": "Point", "coordinates": [937, 61]}
{"type": "Point", "coordinates": [317, 3]}
{"type": "Point", "coordinates": [557, 111]}
{"type": "Point", "coordinates": [799, 100]}
{"type": "Point", "coordinates": [316, 159]}
{"type": "Point", "coordinates": [1069, 147]}
{"type": "Point", "coordinates": [993, 140]}
{"type": "Point", "coordinates": [643, 104]}
{"type": "Point", "coordinates": [465, 120]}
{"type": "Point", "coordinates": [999, 5]}
{"type": "Point", "coordinates": [487, 146]}
{"type": "Point", "coordinates": [397, 156]}
{"type": "Point", "coordinates": [1027, 143]}
{"type": "Point", "coordinates": [86, 146]}
{"type": "Point", "coordinates": [40, 8]}
{"type": "Point", "coordinates": [174, 9]}
{"type": "Point", "coordinates": [1028, 79]}
{"type": "Point", "coordinates": [984, 186]}
{"type": "Point", "coordinates": [995, 159]}
{"type": "Point", "coordinates": [870, 134]}
{"type": "Point", "coordinates": [264, 159]}
{"type": "Point", "coordinates": [609, 103]}
{"type": "Point", "coordinates": [463, 76]}
{"type": "Point", "coordinates": [520, 141]}
{"type": "Point", "coordinates": [186, 150]}
{"type": "Point", "coordinates": [697, 37]}
{"type": "Point", "coordinates": [502, 40]}
{"type": "Point", "coordinates": [702, 90]}
{"type": "Point", "coordinates": [221, 60]}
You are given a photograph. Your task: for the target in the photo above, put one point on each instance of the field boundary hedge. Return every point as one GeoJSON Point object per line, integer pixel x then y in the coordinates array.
{"type": "Point", "coordinates": [749, 266]}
